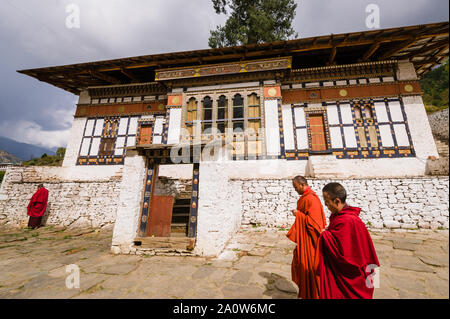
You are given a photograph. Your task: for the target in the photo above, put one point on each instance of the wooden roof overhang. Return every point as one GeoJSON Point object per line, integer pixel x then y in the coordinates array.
{"type": "Point", "coordinates": [424, 45]}
{"type": "Point", "coordinates": [161, 153]}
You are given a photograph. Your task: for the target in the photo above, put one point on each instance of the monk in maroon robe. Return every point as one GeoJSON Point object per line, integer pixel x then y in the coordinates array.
{"type": "Point", "coordinates": [347, 258]}
{"type": "Point", "coordinates": [37, 206]}
{"type": "Point", "coordinates": [309, 223]}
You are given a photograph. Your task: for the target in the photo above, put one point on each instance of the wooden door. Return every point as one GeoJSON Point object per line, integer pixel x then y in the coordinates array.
{"type": "Point", "coordinates": [317, 127]}
{"type": "Point", "coordinates": [145, 134]}
{"type": "Point", "coordinates": [160, 216]}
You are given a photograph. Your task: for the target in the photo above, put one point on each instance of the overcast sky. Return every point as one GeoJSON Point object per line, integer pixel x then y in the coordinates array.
{"type": "Point", "coordinates": [33, 34]}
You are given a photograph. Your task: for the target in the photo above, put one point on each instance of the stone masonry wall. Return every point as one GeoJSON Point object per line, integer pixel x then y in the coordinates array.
{"type": "Point", "coordinates": [385, 203]}
{"type": "Point", "coordinates": [71, 203]}
{"type": "Point", "coordinates": [439, 124]}
{"type": "Point", "coordinates": [176, 188]}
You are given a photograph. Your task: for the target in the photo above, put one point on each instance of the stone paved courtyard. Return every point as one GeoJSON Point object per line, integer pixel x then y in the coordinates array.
{"type": "Point", "coordinates": [255, 264]}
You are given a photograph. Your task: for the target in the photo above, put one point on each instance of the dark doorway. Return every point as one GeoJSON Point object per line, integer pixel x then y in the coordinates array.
{"type": "Point", "coordinates": [180, 217]}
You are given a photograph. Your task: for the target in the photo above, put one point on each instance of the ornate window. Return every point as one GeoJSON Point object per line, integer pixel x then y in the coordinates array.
{"type": "Point", "coordinates": [222, 114]}
{"type": "Point", "coordinates": [207, 119]}
{"type": "Point", "coordinates": [254, 112]}
{"type": "Point", "coordinates": [191, 115]}
{"type": "Point", "coordinates": [104, 140]}
{"type": "Point", "coordinates": [238, 113]}
{"type": "Point", "coordinates": [365, 125]}
{"type": "Point", "coordinates": [254, 125]}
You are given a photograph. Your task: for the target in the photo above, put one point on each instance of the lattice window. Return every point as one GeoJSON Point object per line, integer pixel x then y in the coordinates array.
{"type": "Point", "coordinates": [107, 137]}
{"type": "Point", "coordinates": [207, 119]}
{"type": "Point", "coordinates": [254, 144]}
{"type": "Point", "coordinates": [254, 112]}
{"type": "Point", "coordinates": [191, 115]}
{"type": "Point", "coordinates": [238, 113]}
{"type": "Point", "coordinates": [222, 114]}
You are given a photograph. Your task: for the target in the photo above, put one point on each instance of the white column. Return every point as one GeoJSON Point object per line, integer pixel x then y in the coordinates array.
{"type": "Point", "coordinates": [174, 126]}
{"type": "Point", "coordinates": [419, 127]}
{"type": "Point", "coordinates": [73, 145]}
{"type": "Point", "coordinates": [272, 127]}
{"type": "Point", "coordinates": [128, 211]}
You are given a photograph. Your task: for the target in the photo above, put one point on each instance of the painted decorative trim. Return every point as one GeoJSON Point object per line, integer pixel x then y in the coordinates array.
{"type": "Point", "coordinates": [104, 109]}
{"type": "Point", "coordinates": [357, 91]}
{"type": "Point", "coordinates": [151, 174]}
{"type": "Point", "coordinates": [175, 100]}
{"type": "Point", "coordinates": [224, 68]}
{"type": "Point", "coordinates": [272, 92]}
{"type": "Point", "coordinates": [192, 231]}
{"type": "Point", "coordinates": [280, 124]}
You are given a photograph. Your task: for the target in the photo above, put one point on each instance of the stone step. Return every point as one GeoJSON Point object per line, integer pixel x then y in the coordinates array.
{"type": "Point", "coordinates": [165, 242]}
{"type": "Point", "coordinates": [442, 148]}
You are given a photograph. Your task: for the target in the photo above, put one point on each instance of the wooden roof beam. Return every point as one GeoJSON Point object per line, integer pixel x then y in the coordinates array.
{"type": "Point", "coordinates": [104, 77]}
{"type": "Point", "coordinates": [402, 46]}
{"type": "Point", "coordinates": [332, 55]}
{"type": "Point", "coordinates": [426, 49]}
{"type": "Point", "coordinates": [129, 75]}
{"type": "Point", "coordinates": [373, 48]}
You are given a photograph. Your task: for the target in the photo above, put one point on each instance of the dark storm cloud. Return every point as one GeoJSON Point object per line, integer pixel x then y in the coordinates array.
{"type": "Point", "coordinates": [33, 34]}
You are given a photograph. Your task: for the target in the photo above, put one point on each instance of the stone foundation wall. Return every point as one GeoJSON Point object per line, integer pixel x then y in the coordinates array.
{"type": "Point", "coordinates": [72, 202]}
{"type": "Point", "coordinates": [179, 189]}
{"type": "Point", "coordinates": [385, 203]}
{"type": "Point", "coordinates": [439, 124]}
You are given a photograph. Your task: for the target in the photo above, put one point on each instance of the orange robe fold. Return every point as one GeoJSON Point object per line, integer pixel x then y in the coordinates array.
{"type": "Point", "coordinates": [305, 232]}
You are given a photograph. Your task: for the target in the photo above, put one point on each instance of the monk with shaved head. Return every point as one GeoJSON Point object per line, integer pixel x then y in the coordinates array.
{"type": "Point", "coordinates": [305, 232]}
{"type": "Point", "coordinates": [347, 257]}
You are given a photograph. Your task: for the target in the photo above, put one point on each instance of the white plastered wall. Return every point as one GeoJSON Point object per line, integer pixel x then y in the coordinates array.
{"type": "Point", "coordinates": [173, 135]}
{"type": "Point", "coordinates": [73, 145]}
{"type": "Point", "coordinates": [272, 127]}
{"type": "Point", "coordinates": [419, 127]}
{"type": "Point", "coordinates": [219, 209]}
{"type": "Point", "coordinates": [127, 217]}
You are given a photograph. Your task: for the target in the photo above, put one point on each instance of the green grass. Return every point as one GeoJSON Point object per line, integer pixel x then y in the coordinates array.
{"type": "Point", "coordinates": [47, 160]}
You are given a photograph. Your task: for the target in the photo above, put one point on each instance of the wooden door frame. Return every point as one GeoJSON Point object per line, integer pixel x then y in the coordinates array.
{"type": "Point", "coordinates": [323, 113]}
{"type": "Point", "coordinates": [146, 198]}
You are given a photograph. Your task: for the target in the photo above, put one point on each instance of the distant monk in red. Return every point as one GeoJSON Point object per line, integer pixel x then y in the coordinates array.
{"type": "Point", "coordinates": [347, 258]}
{"type": "Point", "coordinates": [37, 207]}
{"type": "Point", "coordinates": [305, 232]}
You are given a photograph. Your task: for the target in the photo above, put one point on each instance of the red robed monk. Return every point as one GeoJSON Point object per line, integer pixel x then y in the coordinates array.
{"type": "Point", "coordinates": [37, 206]}
{"type": "Point", "coordinates": [347, 258]}
{"type": "Point", "coordinates": [305, 232]}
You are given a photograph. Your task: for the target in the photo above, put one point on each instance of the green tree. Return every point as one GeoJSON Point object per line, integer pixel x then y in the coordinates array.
{"type": "Point", "coordinates": [60, 152]}
{"type": "Point", "coordinates": [253, 21]}
{"type": "Point", "coordinates": [434, 85]}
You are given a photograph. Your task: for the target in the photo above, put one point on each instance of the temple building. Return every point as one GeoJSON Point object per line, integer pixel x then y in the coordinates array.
{"type": "Point", "coordinates": [176, 148]}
